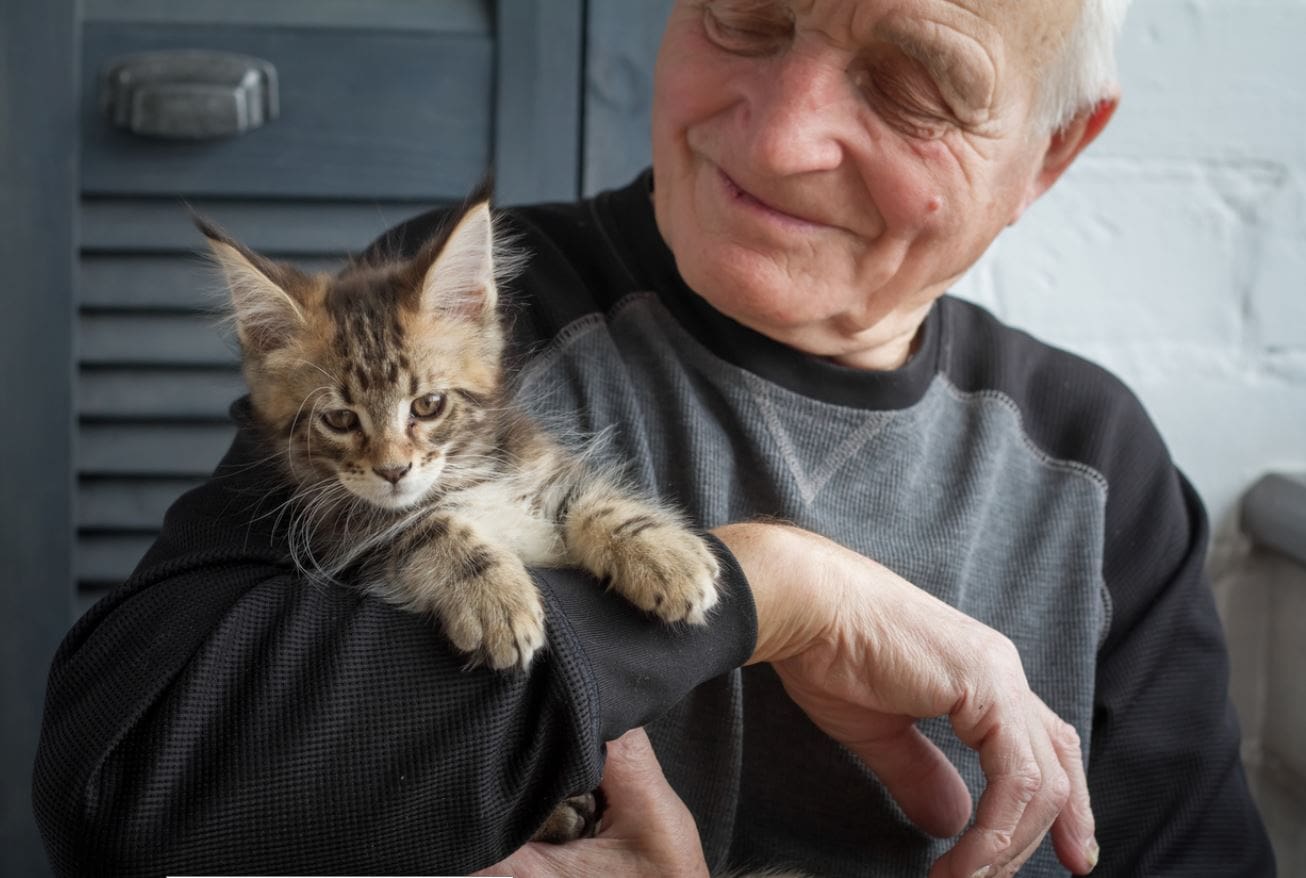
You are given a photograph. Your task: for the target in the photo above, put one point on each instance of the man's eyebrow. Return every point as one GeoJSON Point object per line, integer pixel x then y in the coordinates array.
{"type": "Point", "coordinates": [959, 63]}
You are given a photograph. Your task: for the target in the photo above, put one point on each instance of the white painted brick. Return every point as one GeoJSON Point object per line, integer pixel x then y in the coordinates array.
{"type": "Point", "coordinates": [1213, 79]}
{"type": "Point", "coordinates": [1277, 308]}
{"type": "Point", "coordinates": [1124, 252]}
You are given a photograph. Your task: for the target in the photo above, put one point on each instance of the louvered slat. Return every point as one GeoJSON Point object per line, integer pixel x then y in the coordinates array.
{"type": "Point", "coordinates": [154, 339]}
{"type": "Point", "coordinates": [164, 394]}
{"type": "Point", "coordinates": [151, 449]}
{"type": "Point", "coordinates": [139, 226]}
{"type": "Point", "coordinates": [127, 503]}
{"type": "Point", "coordinates": [163, 282]}
{"type": "Point", "coordinates": [109, 558]}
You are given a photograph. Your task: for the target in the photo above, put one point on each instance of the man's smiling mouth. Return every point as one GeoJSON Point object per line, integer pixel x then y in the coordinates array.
{"type": "Point", "coordinates": [751, 202]}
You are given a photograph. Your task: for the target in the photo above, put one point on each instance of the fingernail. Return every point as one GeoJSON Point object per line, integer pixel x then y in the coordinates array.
{"type": "Point", "coordinates": [983, 873]}
{"type": "Point", "coordinates": [1092, 851]}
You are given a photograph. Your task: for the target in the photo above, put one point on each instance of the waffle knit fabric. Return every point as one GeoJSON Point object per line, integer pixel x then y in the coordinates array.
{"type": "Point", "coordinates": [217, 713]}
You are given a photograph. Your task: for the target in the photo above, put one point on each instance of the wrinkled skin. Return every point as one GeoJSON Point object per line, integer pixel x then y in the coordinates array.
{"type": "Point", "coordinates": [823, 180]}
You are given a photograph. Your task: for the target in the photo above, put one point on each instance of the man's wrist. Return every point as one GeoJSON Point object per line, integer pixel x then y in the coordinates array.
{"type": "Point", "coordinates": [779, 564]}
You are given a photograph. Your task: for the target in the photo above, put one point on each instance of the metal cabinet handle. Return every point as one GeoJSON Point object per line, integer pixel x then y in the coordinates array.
{"type": "Point", "coordinates": [189, 94]}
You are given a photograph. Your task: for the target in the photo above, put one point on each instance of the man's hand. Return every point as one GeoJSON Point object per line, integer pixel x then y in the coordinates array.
{"type": "Point", "coordinates": [646, 829]}
{"type": "Point", "coordinates": [865, 654]}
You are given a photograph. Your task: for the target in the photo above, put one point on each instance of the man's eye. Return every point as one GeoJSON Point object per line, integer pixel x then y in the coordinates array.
{"type": "Point", "coordinates": [340, 420]}
{"type": "Point", "coordinates": [748, 29]}
{"type": "Point", "coordinates": [908, 106]}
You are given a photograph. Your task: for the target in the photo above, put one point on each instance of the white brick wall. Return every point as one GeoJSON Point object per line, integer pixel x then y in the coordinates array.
{"type": "Point", "coordinates": [1174, 254]}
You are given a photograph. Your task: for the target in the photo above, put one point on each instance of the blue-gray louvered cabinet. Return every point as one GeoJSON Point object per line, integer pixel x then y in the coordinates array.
{"type": "Point", "coordinates": [304, 128]}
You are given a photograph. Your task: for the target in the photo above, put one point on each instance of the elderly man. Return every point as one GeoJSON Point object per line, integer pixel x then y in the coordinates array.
{"type": "Point", "coordinates": [761, 322]}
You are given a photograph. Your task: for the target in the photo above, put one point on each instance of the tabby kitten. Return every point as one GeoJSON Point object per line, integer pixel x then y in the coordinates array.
{"type": "Point", "coordinates": [382, 389]}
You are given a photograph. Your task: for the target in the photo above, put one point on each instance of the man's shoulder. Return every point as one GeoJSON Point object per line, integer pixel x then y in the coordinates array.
{"type": "Point", "coordinates": [1071, 407]}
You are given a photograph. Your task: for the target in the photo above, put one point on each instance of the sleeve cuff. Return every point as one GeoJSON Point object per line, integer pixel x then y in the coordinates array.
{"type": "Point", "coordinates": [640, 666]}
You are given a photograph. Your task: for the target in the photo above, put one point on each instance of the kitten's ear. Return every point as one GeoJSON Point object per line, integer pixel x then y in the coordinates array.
{"type": "Point", "coordinates": [268, 317]}
{"type": "Point", "coordinates": [460, 280]}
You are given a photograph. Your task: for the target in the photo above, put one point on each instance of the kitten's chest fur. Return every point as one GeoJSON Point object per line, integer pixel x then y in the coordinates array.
{"type": "Point", "coordinates": [513, 510]}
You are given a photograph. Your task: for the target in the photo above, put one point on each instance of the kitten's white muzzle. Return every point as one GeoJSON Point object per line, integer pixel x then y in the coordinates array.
{"type": "Point", "coordinates": [397, 496]}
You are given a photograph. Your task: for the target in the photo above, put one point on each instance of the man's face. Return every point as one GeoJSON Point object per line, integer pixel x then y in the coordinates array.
{"type": "Point", "coordinates": [824, 169]}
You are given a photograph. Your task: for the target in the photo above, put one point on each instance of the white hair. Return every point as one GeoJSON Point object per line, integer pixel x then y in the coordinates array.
{"type": "Point", "coordinates": [1084, 69]}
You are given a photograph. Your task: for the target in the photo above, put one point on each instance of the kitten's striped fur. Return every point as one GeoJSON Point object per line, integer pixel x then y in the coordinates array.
{"type": "Point", "coordinates": [382, 390]}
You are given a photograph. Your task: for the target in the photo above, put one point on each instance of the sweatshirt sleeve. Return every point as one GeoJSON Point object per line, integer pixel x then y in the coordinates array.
{"type": "Point", "coordinates": [1167, 782]}
{"type": "Point", "coordinates": [218, 713]}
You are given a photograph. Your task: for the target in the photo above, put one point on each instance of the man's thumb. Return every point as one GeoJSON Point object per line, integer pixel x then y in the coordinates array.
{"type": "Point", "coordinates": [632, 777]}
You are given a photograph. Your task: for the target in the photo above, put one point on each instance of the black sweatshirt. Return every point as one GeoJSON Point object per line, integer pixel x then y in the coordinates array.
{"type": "Point", "coordinates": [218, 713]}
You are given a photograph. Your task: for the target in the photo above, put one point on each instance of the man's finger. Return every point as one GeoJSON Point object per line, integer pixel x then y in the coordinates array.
{"type": "Point", "coordinates": [1074, 832]}
{"type": "Point", "coordinates": [1025, 792]}
{"type": "Point", "coordinates": [920, 778]}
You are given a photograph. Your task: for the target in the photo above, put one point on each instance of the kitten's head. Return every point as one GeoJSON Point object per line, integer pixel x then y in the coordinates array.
{"type": "Point", "coordinates": [384, 380]}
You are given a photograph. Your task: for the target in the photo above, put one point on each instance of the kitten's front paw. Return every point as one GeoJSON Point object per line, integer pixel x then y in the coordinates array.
{"type": "Point", "coordinates": [498, 618]}
{"type": "Point", "coordinates": [669, 572]}
{"type": "Point", "coordinates": [654, 562]}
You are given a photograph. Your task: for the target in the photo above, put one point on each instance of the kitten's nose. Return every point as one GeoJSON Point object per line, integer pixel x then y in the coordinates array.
{"type": "Point", "coordinates": [392, 474]}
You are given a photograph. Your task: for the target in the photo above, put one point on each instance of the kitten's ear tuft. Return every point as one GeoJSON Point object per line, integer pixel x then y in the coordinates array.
{"type": "Point", "coordinates": [460, 280]}
{"type": "Point", "coordinates": [267, 315]}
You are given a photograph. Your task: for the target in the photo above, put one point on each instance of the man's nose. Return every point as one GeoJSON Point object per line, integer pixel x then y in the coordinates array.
{"type": "Point", "coordinates": [392, 473]}
{"type": "Point", "coordinates": [800, 111]}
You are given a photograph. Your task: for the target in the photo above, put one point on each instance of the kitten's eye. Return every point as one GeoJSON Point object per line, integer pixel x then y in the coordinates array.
{"type": "Point", "coordinates": [429, 406]}
{"type": "Point", "coordinates": [340, 420]}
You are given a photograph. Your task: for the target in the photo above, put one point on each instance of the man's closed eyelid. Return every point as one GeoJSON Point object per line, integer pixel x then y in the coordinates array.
{"type": "Point", "coordinates": [960, 63]}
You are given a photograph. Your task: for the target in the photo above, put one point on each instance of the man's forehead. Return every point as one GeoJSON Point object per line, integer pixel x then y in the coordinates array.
{"type": "Point", "coordinates": [971, 47]}
{"type": "Point", "coordinates": [1031, 27]}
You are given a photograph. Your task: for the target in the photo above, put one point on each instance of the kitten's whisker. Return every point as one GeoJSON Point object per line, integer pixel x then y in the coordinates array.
{"type": "Point", "coordinates": [294, 424]}
{"type": "Point", "coordinates": [257, 462]}
{"type": "Point", "coordinates": [335, 379]}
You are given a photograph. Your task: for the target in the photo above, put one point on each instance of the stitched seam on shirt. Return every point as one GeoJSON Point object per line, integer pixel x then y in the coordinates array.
{"type": "Point", "coordinates": [630, 300]}
{"type": "Point", "coordinates": [1054, 463]}
{"type": "Point", "coordinates": [1040, 455]}
{"type": "Point", "coordinates": [781, 437]}
{"type": "Point", "coordinates": [572, 333]}
{"type": "Point", "coordinates": [558, 346]}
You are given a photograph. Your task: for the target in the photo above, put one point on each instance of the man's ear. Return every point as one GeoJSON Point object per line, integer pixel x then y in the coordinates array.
{"type": "Point", "coordinates": [1065, 145]}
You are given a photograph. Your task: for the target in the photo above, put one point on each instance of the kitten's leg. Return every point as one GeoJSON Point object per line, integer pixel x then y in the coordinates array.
{"type": "Point", "coordinates": [480, 592]}
{"type": "Point", "coordinates": [647, 553]}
